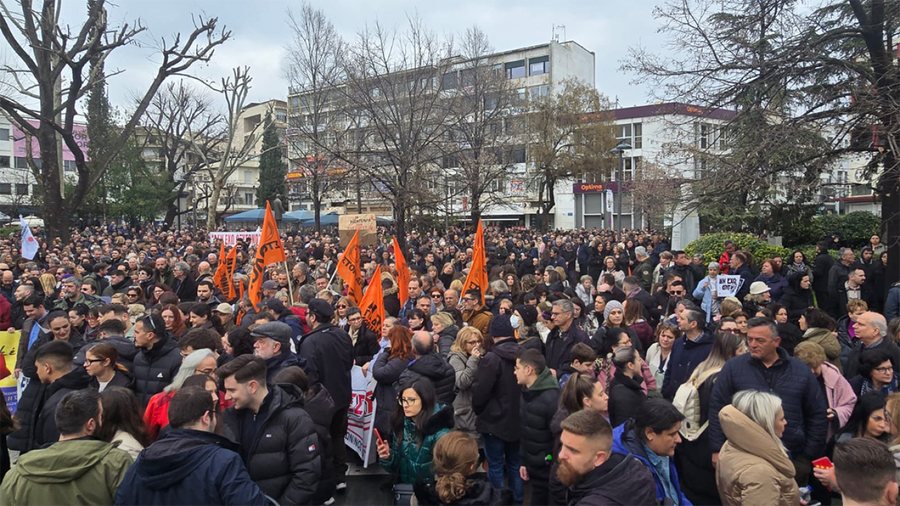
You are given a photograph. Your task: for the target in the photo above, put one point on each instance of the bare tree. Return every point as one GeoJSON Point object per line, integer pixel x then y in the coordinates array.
{"type": "Point", "coordinates": [481, 123]}
{"type": "Point", "coordinates": [187, 134]}
{"type": "Point", "coordinates": [392, 94]}
{"type": "Point", "coordinates": [220, 164]}
{"type": "Point", "coordinates": [562, 144]}
{"type": "Point", "coordinates": [319, 134]}
{"type": "Point", "coordinates": [655, 192]}
{"type": "Point", "coordinates": [53, 74]}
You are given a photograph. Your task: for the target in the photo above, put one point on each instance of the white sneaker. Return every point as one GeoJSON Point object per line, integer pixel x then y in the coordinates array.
{"type": "Point", "coordinates": [329, 502]}
{"type": "Point", "coordinates": [341, 486]}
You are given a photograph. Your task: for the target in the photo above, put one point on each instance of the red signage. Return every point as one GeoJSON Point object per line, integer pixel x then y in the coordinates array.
{"type": "Point", "coordinates": [588, 188]}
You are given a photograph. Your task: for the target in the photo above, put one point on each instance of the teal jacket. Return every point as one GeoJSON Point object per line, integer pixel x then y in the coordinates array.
{"type": "Point", "coordinates": [411, 460]}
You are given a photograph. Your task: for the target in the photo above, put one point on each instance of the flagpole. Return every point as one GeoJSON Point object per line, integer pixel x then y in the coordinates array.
{"type": "Point", "coordinates": [290, 289]}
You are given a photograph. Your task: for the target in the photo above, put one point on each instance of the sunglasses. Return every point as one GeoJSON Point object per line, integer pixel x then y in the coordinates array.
{"type": "Point", "coordinates": [436, 296]}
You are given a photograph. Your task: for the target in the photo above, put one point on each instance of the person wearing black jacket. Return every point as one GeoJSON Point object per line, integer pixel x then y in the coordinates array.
{"type": "Point", "coordinates": [112, 332]}
{"type": "Point", "coordinates": [871, 332]}
{"type": "Point", "coordinates": [769, 368]}
{"type": "Point", "coordinates": [428, 364]}
{"type": "Point", "coordinates": [183, 283]}
{"type": "Point", "coordinates": [625, 393]}
{"type": "Point", "coordinates": [272, 343]}
{"type": "Point", "coordinates": [496, 400]}
{"type": "Point", "coordinates": [797, 296]}
{"type": "Point", "coordinates": [822, 265]}
{"type": "Point", "coordinates": [593, 474]}
{"type": "Point", "coordinates": [688, 351]}
{"type": "Point", "coordinates": [365, 342]}
{"type": "Point", "coordinates": [277, 438]}
{"type": "Point", "coordinates": [56, 376]}
{"type": "Point", "coordinates": [158, 357]}
{"type": "Point", "coordinates": [189, 463]}
{"type": "Point", "coordinates": [540, 399]}
{"type": "Point", "coordinates": [328, 352]}
{"type": "Point", "coordinates": [558, 348]}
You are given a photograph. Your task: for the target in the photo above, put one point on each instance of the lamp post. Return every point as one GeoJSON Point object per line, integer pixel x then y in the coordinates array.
{"type": "Point", "coordinates": [620, 149]}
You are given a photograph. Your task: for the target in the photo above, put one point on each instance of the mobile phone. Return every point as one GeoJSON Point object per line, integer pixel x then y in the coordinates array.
{"type": "Point", "coordinates": [378, 436]}
{"type": "Point", "coordinates": [823, 463]}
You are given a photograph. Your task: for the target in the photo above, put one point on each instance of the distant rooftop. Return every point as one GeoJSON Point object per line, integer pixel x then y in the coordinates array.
{"type": "Point", "coordinates": [673, 108]}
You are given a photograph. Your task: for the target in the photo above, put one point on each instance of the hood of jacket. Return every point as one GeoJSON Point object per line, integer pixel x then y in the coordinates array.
{"type": "Point", "coordinates": [64, 461]}
{"type": "Point", "coordinates": [747, 436]}
{"type": "Point", "coordinates": [176, 454]}
{"type": "Point", "coordinates": [432, 366]}
{"type": "Point", "coordinates": [544, 381]}
{"type": "Point", "coordinates": [507, 349]}
{"type": "Point", "coordinates": [816, 333]}
{"type": "Point", "coordinates": [319, 405]}
{"type": "Point", "coordinates": [451, 331]}
{"type": "Point", "coordinates": [76, 379]}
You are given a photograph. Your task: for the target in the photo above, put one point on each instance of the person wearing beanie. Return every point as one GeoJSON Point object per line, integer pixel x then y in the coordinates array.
{"type": "Point", "coordinates": [496, 400]}
{"type": "Point", "coordinates": [610, 307]}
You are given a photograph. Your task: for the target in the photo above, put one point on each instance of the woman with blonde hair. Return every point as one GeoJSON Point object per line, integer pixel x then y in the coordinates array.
{"type": "Point", "coordinates": [48, 285]}
{"type": "Point", "coordinates": [466, 351]}
{"type": "Point", "coordinates": [456, 480]}
{"type": "Point", "coordinates": [340, 314]}
{"type": "Point", "coordinates": [754, 467]}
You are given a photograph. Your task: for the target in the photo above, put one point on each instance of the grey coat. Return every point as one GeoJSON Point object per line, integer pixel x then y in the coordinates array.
{"type": "Point", "coordinates": [465, 367]}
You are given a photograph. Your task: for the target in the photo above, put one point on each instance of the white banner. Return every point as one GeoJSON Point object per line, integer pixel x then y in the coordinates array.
{"type": "Point", "coordinates": [361, 415]}
{"type": "Point", "coordinates": [727, 285]}
{"type": "Point", "coordinates": [231, 238]}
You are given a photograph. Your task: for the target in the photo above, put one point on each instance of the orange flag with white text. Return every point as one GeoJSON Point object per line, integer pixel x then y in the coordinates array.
{"type": "Point", "coordinates": [477, 277]}
{"type": "Point", "coordinates": [402, 273]}
{"type": "Point", "coordinates": [230, 266]}
{"type": "Point", "coordinates": [221, 271]}
{"type": "Point", "coordinates": [372, 304]}
{"type": "Point", "coordinates": [270, 250]}
{"type": "Point", "coordinates": [348, 268]}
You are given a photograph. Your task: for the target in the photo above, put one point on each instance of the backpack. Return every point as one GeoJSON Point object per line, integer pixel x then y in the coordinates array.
{"type": "Point", "coordinates": [687, 401]}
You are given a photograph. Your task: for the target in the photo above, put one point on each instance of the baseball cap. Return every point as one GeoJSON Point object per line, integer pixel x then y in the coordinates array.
{"type": "Point", "coordinates": [321, 308]}
{"type": "Point", "coordinates": [224, 308]}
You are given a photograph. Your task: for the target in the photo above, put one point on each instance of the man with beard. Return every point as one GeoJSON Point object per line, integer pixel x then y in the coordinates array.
{"type": "Point", "coordinates": [592, 473]}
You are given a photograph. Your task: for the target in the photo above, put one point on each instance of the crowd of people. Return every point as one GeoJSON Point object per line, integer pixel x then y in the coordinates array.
{"type": "Point", "coordinates": [596, 368]}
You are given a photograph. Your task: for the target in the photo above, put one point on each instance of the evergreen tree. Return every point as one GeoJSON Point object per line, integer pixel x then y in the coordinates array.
{"type": "Point", "coordinates": [272, 169]}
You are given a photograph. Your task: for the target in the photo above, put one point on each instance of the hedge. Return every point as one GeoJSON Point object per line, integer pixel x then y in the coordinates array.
{"type": "Point", "coordinates": [711, 246]}
{"type": "Point", "coordinates": [855, 229]}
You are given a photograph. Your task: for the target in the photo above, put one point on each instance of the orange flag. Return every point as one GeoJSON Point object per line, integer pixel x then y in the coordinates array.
{"type": "Point", "coordinates": [348, 268]}
{"type": "Point", "coordinates": [230, 264]}
{"type": "Point", "coordinates": [477, 277]}
{"type": "Point", "coordinates": [219, 279]}
{"type": "Point", "coordinates": [372, 304]}
{"type": "Point", "coordinates": [402, 273]}
{"type": "Point", "coordinates": [270, 250]}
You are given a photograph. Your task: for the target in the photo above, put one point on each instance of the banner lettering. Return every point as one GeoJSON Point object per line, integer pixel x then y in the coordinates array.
{"type": "Point", "coordinates": [361, 414]}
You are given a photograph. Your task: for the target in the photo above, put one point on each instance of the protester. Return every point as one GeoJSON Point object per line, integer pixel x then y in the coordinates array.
{"type": "Point", "coordinates": [389, 366]}
{"type": "Point", "coordinates": [539, 404]}
{"type": "Point", "coordinates": [869, 419]}
{"type": "Point", "coordinates": [456, 476]}
{"type": "Point", "coordinates": [156, 414]}
{"type": "Point", "coordinates": [157, 360]}
{"type": "Point", "coordinates": [465, 354]}
{"type": "Point", "coordinates": [658, 353]}
{"type": "Point", "coordinates": [753, 466]}
{"type": "Point", "coordinates": [278, 441]}
{"type": "Point", "coordinates": [838, 392]}
{"type": "Point", "coordinates": [191, 453]}
{"type": "Point", "coordinates": [688, 351]}
{"type": "Point", "coordinates": [429, 365]}
{"type": "Point", "coordinates": [865, 473]}
{"type": "Point", "coordinates": [625, 394]}
{"type": "Point", "coordinates": [122, 424]}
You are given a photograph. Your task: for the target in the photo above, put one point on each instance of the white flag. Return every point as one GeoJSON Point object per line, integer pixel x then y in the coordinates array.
{"type": "Point", "coordinates": [29, 243]}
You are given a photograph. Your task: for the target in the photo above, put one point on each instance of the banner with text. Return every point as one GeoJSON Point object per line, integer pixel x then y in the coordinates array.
{"type": "Point", "coordinates": [231, 238]}
{"type": "Point", "coordinates": [728, 285]}
{"type": "Point", "coordinates": [9, 344]}
{"type": "Point", "coordinates": [348, 224]}
{"type": "Point", "coordinates": [361, 415]}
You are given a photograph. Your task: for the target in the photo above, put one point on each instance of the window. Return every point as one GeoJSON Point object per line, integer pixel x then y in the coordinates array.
{"type": "Point", "coordinates": [723, 138]}
{"type": "Point", "coordinates": [518, 97]}
{"type": "Point", "coordinates": [517, 154]}
{"type": "Point", "coordinates": [21, 189]}
{"type": "Point", "coordinates": [538, 66]}
{"type": "Point", "coordinates": [515, 70]}
{"type": "Point", "coordinates": [4, 134]}
{"type": "Point", "coordinates": [249, 198]}
{"type": "Point", "coordinates": [497, 185]}
{"type": "Point", "coordinates": [705, 131]}
{"type": "Point", "coordinates": [4, 162]}
{"type": "Point", "coordinates": [68, 165]}
{"type": "Point", "coordinates": [538, 92]}
{"type": "Point", "coordinates": [448, 82]}
{"type": "Point", "coordinates": [21, 163]}
{"type": "Point", "coordinates": [623, 133]}
{"type": "Point", "coordinates": [5, 189]}
{"type": "Point", "coordinates": [281, 116]}
{"type": "Point", "coordinates": [490, 101]}
{"type": "Point", "coordinates": [638, 141]}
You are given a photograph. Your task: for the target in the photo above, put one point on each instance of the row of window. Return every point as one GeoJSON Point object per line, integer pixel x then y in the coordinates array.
{"type": "Point", "coordinates": [22, 189]}
{"type": "Point", "coordinates": [507, 155]}
{"type": "Point", "coordinates": [22, 163]}
{"type": "Point", "coordinates": [630, 133]}
{"type": "Point", "coordinates": [537, 66]}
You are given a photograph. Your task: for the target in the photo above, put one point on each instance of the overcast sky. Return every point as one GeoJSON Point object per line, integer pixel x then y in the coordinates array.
{"type": "Point", "coordinates": [260, 34]}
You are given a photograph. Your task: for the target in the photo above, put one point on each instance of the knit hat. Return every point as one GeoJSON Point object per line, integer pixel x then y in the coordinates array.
{"type": "Point", "coordinates": [528, 314]}
{"type": "Point", "coordinates": [613, 304]}
{"type": "Point", "coordinates": [500, 326]}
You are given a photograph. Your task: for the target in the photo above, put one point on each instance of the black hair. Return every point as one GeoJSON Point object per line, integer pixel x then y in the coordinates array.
{"type": "Point", "coordinates": [188, 405]}
{"type": "Point", "coordinates": [657, 415]}
{"type": "Point", "coordinates": [815, 317]}
{"type": "Point", "coordinates": [112, 326]}
{"type": "Point", "coordinates": [241, 341]}
{"type": "Point", "coordinates": [870, 359]}
{"type": "Point", "coordinates": [75, 409]}
{"type": "Point", "coordinates": [425, 390]}
{"type": "Point", "coordinates": [244, 368]}
{"type": "Point", "coordinates": [533, 358]}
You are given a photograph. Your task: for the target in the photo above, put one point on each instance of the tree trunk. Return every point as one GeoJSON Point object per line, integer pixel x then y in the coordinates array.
{"type": "Point", "coordinates": [475, 213]}
{"type": "Point", "coordinates": [56, 218]}
{"type": "Point", "coordinates": [400, 222]}
{"type": "Point", "coordinates": [889, 186]}
{"type": "Point", "coordinates": [212, 206]}
{"type": "Point", "coordinates": [317, 211]}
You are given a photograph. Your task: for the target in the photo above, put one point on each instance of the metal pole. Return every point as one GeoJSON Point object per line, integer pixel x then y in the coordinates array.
{"type": "Point", "coordinates": [619, 176]}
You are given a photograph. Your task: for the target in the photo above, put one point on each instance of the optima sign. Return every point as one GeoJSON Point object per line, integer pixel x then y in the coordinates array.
{"type": "Point", "coordinates": [588, 188]}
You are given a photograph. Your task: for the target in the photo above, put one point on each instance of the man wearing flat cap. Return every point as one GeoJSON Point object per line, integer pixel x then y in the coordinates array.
{"type": "Point", "coordinates": [328, 352]}
{"type": "Point", "coordinates": [272, 343]}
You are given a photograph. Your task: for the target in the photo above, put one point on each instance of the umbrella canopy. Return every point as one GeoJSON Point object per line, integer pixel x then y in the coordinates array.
{"type": "Point", "coordinates": [254, 216]}
{"type": "Point", "coordinates": [301, 214]}
{"type": "Point", "coordinates": [325, 220]}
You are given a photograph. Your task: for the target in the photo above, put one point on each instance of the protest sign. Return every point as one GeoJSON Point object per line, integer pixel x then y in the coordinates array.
{"type": "Point", "coordinates": [348, 224]}
{"type": "Point", "coordinates": [9, 344]}
{"type": "Point", "coordinates": [361, 415]}
{"type": "Point", "coordinates": [727, 285]}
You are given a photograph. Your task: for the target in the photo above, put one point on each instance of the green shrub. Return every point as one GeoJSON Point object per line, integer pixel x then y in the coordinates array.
{"type": "Point", "coordinates": [712, 245]}
{"type": "Point", "coordinates": [854, 228]}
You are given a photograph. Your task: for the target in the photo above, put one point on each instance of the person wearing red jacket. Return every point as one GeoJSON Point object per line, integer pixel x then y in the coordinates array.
{"type": "Point", "coordinates": [725, 258]}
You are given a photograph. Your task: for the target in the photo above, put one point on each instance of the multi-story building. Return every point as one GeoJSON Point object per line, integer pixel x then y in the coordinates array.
{"type": "Point", "coordinates": [533, 72]}
{"type": "Point", "coordinates": [660, 136]}
{"type": "Point", "coordinates": [17, 183]}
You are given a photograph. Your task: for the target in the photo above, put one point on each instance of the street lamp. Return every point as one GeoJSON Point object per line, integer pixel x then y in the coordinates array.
{"type": "Point", "coordinates": [620, 149]}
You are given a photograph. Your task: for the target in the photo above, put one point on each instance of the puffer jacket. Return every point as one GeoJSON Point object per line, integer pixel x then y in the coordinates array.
{"type": "Point", "coordinates": [802, 400]}
{"type": "Point", "coordinates": [622, 479]}
{"type": "Point", "coordinates": [828, 341]}
{"type": "Point", "coordinates": [539, 405]}
{"type": "Point", "coordinates": [479, 492]}
{"type": "Point", "coordinates": [434, 368]}
{"type": "Point", "coordinates": [155, 368]}
{"type": "Point", "coordinates": [410, 459]}
{"type": "Point", "coordinates": [753, 469]}
{"type": "Point", "coordinates": [283, 455]}
{"type": "Point", "coordinates": [626, 442]}
{"type": "Point", "coordinates": [78, 471]}
{"type": "Point", "coordinates": [465, 367]}
{"type": "Point", "coordinates": [320, 407]}
{"type": "Point", "coordinates": [495, 395]}
{"type": "Point", "coordinates": [37, 407]}
{"type": "Point", "coordinates": [447, 338]}
{"type": "Point", "coordinates": [386, 372]}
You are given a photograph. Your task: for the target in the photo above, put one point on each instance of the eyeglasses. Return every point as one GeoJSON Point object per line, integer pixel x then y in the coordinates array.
{"type": "Point", "coordinates": [89, 361]}
{"type": "Point", "coordinates": [884, 370]}
{"type": "Point", "coordinates": [407, 401]}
